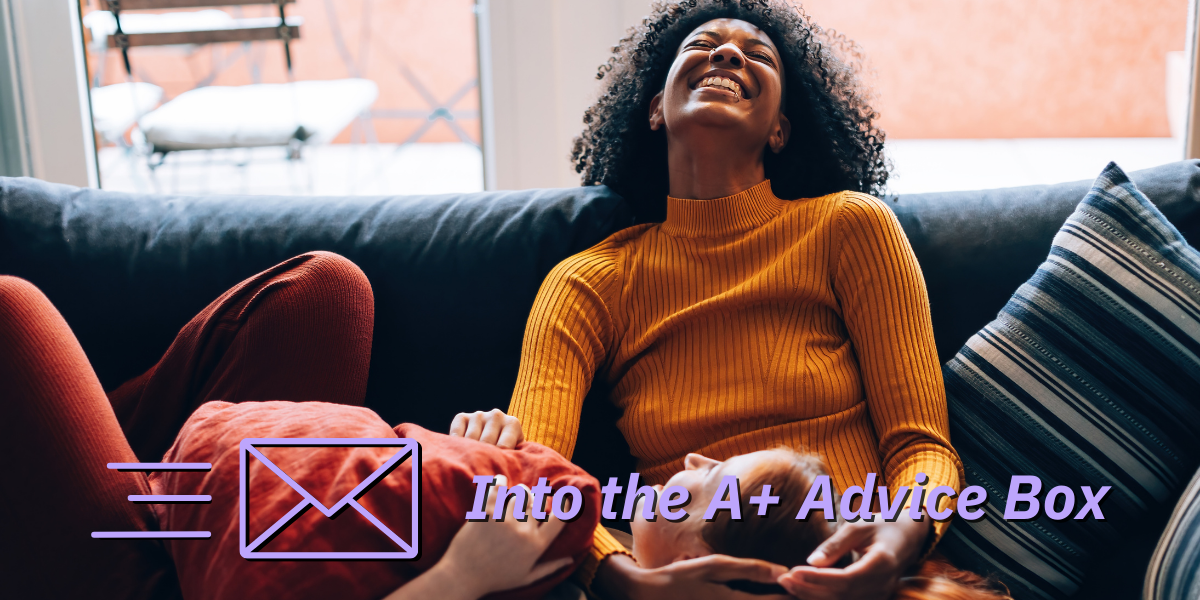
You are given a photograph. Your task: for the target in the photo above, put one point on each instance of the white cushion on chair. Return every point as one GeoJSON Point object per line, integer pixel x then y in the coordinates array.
{"type": "Point", "coordinates": [116, 107]}
{"type": "Point", "coordinates": [265, 114]}
{"type": "Point", "coordinates": [103, 23]}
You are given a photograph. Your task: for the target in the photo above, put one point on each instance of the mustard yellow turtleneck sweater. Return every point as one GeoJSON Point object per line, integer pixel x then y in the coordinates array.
{"type": "Point", "coordinates": [741, 324]}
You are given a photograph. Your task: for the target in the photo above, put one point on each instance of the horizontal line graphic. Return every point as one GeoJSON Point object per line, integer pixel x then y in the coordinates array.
{"type": "Point", "coordinates": [155, 535]}
{"type": "Point", "coordinates": [164, 498]}
{"type": "Point", "coordinates": [161, 466]}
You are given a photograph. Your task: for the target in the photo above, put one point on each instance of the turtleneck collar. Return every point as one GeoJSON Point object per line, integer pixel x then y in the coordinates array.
{"type": "Point", "coordinates": [718, 217]}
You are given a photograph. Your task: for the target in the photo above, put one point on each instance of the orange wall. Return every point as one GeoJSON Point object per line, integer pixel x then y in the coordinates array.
{"type": "Point", "coordinates": [1015, 68]}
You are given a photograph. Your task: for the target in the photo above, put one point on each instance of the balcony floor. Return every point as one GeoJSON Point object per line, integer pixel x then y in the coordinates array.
{"type": "Point", "coordinates": [333, 170]}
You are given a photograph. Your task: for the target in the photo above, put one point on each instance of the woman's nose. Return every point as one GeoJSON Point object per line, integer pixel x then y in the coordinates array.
{"type": "Point", "coordinates": [727, 53]}
{"type": "Point", "coordinates": [695, 461]}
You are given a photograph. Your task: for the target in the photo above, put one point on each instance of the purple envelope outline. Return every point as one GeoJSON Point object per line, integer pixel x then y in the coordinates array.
{"type": "Point", "coordinates": [406, 447]}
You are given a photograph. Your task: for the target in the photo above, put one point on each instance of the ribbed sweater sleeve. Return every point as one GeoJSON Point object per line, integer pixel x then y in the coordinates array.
{"type": "Point", "coordinates": [568, 335]}
{"type": "Point", "coordinates": [885, 307]}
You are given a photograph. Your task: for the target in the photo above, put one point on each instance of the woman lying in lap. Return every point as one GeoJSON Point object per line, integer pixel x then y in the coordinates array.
{"type": "Point", "coordinates": [460, 559]}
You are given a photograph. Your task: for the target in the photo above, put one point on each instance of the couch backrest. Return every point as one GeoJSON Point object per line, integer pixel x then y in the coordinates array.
{"type": "Point", "coordinates": [977, 247]}
{"type": "Point", "coordinates": [455, 275]}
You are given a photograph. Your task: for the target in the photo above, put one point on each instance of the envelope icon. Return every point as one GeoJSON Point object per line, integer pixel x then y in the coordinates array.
{"type": "Point", "coordinates": [405, 448]}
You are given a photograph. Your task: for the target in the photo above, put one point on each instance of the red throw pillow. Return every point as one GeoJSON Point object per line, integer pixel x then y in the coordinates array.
{"type": "Point", "coordinates": [214, 569]}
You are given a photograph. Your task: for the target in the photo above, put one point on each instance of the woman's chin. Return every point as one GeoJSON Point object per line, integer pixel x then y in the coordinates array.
{"type": "Point", "coordinates": [716, 112]}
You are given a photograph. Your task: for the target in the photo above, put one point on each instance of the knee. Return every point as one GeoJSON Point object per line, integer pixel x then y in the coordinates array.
{"type": "Point", "coordinates": [336, 273]}
{"type": "Point", "coordinates": [22, 307]}
{"type": "Point", "coordinates": [327, 282]}
{"type": "Point", "coordinates": [19, 297]}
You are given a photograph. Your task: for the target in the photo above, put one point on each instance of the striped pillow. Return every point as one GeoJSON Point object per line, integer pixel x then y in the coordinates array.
{"type": "Point", "coordinates": [1174, 572]}
{"type": "Point", "coordinates": [1089, 376]}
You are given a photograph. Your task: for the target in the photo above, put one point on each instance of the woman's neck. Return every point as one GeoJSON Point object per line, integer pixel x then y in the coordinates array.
{"type": "Point", "coordinates": [704, 166]}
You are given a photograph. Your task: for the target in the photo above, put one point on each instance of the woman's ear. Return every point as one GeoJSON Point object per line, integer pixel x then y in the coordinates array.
{"type": "Point", "coordinates": [656, 115]}
{"type": "Point", "coordinates": [779, 138]}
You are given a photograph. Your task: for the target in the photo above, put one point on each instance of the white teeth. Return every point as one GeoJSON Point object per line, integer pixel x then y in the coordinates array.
{"type": "Point", "coordinates": [722, 82]}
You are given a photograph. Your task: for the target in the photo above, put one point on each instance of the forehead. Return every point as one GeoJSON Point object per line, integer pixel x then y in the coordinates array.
{"type": "Point", "coordinates": [732, 29]}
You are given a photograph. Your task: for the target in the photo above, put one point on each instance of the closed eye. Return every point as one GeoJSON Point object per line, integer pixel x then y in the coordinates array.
{"type": "Point", "coordinates": [707, 45]}
{"type": "Point", "coordinates": [764, 57]}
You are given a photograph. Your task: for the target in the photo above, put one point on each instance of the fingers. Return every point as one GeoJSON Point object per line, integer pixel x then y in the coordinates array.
{"type": "Point", "coordinates": [749, 596]}
{"type": "Point", "coordinates": [510, 434]}
{"type": "Point", "coordinates": [847, 537]}
{"type": "Point", "coordinates": [458, 427]}
{"type": "Point", "coordinates": [810, 583]}
{"type": "Point", "coordinates": [511, 507]}
{"type": "Point", "coordinates": [490, 509]}
{"type": "Point", "coordinates": [796, 584]}
{"type": "Point", "coordinates": [488, 427]}
{"type": "Point", "coordinates": [550, 529]}
{"type": "Point", "coordinates": [475, 422]}
{"type": "Point", "coordinates": [837, 581]}
{"type": "Point", "coordinates": [493, 423]}
{"type": "Point", "coordinates": [546, 569]}
{"type": "Point", "coordinates": [876, 563]}
{"type": "Point", "coordinates": [872, 572]}
{"type": "Point", "coordinates": [719, 567]}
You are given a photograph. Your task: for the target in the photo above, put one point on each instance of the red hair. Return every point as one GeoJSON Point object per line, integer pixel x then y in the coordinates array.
{"type": "Point", "coordinates": [937, 579]}
{"type": "Point", "coordinates": [778, 538]}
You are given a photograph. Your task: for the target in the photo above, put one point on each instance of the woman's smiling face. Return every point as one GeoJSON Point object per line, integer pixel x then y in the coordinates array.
{"type": "Point", "coordinates": [727, 74]}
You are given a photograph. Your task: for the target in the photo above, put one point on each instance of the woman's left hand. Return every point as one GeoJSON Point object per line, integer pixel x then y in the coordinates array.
{"type": "Point", "coordinates": [489, 556]}
{"type": "Point", "coordinates": [491, 427]}
{"type": "Point", "coordinates": [888, 549]}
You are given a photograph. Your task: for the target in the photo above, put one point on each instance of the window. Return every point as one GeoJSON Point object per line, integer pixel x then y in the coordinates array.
{"type": "Point", "coordinates": [382, 97]}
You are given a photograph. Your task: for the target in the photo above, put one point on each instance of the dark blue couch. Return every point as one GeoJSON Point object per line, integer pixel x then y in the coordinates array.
{"type": "Point", "coordinates": [455, 275]}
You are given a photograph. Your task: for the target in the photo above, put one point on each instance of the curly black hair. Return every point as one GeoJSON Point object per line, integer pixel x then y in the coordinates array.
{"type": "Point", "coordinates": [833, 146]}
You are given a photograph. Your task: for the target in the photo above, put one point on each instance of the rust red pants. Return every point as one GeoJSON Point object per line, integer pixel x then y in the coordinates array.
{"type": "Point", "coordinates": [300, 330]}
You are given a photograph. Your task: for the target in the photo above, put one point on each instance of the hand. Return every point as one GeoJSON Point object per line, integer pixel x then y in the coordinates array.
{"type": "Point", "coordinates": [491, 427]}
{"type": "Point", "coordinates": [488, 556]}
{"type": "Point", "coordinates": [693, 579]}
{"type": "Point", "coordinates": [888, 550]}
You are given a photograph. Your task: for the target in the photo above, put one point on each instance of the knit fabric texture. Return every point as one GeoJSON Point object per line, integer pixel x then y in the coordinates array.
{"type": "Point", "coordinates": [741, 324]}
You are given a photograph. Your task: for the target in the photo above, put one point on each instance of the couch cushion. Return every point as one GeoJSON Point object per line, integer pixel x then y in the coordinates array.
{"type": "Point", "coordinates": [1088, 377]}
{"type": "Point", "coordinates": [454, 276]}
